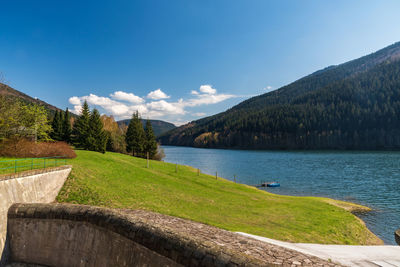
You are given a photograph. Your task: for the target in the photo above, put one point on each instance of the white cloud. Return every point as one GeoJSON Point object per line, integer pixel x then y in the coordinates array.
{"type": "Point", "coordinates": [111, 106]}
{"type": "Point", "coordinates": [77, 109]}
{"type": "Point", "coordinates": [129, 97]}
{"type": "Point", "coordinates": [206, 96]}
{"type": "Point", "coordinates": [268, 88]}
{"type": "Point", "coordinates": [164, 106]}
{"type": "Point", "coordinates": [179, 122]}
{"type": "Point", "coordinates": [121, 104]}
{"type": "Point", "coordinates": [207, 89]}
{"type": "Point", "coordinates": [74, 100]}
{"type": "Point", "coordinates": [157, 94]}
{"type": "Point", "coordinates": [206, 99]}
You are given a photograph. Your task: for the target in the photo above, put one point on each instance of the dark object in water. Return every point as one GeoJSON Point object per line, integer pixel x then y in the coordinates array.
{"type": "Point", "coordinates": [273, 184]}
{"type": "Point", "coordinates": [269, 184]}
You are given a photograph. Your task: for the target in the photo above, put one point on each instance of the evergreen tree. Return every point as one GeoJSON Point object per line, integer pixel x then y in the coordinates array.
{"type": "Point", "coordinates": [57, 133]}
{"type": "Point", "coordinates": [81, 128]}
{"type": "Point", "coordinates": [67, 127]}
{"type": "Point", "coordinates": [54, 125]}
{"type": "Point", "coordinates": [150, 145]}
{"type": "Point", "coordinates": [135, 136]}
{"type": "Point", "coordinates": [97, 138]}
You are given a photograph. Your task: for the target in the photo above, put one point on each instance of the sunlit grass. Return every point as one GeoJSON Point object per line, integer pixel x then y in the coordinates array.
{"type": "Point", "coordinates": [121, 181]}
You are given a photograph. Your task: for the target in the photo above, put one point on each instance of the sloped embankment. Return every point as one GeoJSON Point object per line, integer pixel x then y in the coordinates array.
{"type": "Point", "coordinates": [121, 181]}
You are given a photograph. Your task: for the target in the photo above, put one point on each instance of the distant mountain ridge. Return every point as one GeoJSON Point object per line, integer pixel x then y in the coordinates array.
{"type": "Point", "coordinates": [8, 91]}
{"type": "Point", "coordinates": [159, 127]}
{"type": "Point", "coordinates": [353, 105]}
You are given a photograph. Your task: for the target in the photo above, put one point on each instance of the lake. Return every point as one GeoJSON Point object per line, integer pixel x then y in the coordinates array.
{"type": "Point", "coordinates": [368, 178]}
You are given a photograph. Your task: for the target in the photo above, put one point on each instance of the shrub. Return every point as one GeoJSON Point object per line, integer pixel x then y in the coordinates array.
{"type": "Point", "coordinates": [24, 148]}
{"type": "Point", "coordinates": [160, 154]}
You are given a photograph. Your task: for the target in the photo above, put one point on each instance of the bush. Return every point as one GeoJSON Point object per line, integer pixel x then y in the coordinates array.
{"type": "Point", "coordinates": [160, 154]}
{"type": "Point", "coordinates": [23, 148]}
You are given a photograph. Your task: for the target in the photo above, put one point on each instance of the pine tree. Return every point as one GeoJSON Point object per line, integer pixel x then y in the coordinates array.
{"type": "Point", "coordinates": [81, 128]}
{"type": "Point", "coordinates": [150, 142]}
{"type": "Point", "coordinates": [54, 125]}
{"type": "Point", "coordinates": [135, 136]}
{"type": "Point", "coordinates": [57, 126]}
{"type": "Point", "coordinates": [97, 138]}
{"type": "Point", "coordinates": [67, 127]}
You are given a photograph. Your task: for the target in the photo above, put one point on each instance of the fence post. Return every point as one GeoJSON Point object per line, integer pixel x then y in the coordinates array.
{"type": "Point", "coordinates": [31, 164]}
{"type": "Point", "coordinates": [15, 166]}
{"type": "Point", "coordinates": [176, 168]}
{"type": "Point", "coordinates": [234, 178]}
{"type": "Point", "coordinates": [216, 175]}
{"type": "Point", "coordinates": [44, 164]}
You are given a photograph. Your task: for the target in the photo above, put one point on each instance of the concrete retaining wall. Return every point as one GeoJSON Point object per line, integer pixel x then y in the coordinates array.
{"type": "Point", "coordinates": [79, 235]}
{"type": "Point", "coordinates": [37, 188]}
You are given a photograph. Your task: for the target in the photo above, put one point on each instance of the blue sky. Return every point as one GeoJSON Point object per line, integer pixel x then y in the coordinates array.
{"type": "Point", "coordinates": [180, 60]}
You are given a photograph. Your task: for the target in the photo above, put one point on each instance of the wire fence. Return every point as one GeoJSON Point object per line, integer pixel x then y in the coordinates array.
{"type": "Point", "coordinates": [19, 165]}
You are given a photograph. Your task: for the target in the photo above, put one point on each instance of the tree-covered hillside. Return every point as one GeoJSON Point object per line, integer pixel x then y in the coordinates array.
{"type": "Point", "coordinates": [355, 105]}
{"type": "Point", "coordinates": [159, 127]}
{"type": "Point", "coordinates": [11, 93]}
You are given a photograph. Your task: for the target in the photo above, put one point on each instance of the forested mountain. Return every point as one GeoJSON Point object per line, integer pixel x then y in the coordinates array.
{"type": "Point", "coordinates": [355, 105]}
{"type": "Point", "coordinates": [12, 93]}
{"type": "Point", "coordinates": [159, 127]}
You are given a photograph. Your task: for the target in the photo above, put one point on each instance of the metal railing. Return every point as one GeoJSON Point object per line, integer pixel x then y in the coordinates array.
{"type": "Point", "coordinates": [18, 165]}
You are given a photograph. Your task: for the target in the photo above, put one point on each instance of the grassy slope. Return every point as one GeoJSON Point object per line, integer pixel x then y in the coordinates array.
{"type": "Point", "coordinates": [120, 181]}
{"type": "Point", "coordinates": [7, 165]}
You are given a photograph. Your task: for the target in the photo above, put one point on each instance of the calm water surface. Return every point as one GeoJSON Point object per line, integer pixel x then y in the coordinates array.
{"type": "Point", "coordinates": [368, 178]}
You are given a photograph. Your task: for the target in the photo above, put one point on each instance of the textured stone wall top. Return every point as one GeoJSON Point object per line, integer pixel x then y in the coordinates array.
{"type": "Point", "coordinates": [32, 172]}
{"type": "Point", "coordinates": [185, 242]}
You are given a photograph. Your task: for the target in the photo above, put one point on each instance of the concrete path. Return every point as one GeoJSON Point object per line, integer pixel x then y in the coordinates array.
{"type": "Point", "coordinates": [385, 256]}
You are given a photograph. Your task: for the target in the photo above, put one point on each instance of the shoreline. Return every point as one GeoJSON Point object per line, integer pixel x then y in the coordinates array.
{"type": "Point", "coordinates": [351, 207]}
{"type": "Point", "coordinates": [224, 204]}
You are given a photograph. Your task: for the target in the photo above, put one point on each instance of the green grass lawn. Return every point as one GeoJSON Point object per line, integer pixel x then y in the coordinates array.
{"type": "Point", "coordinates": [12, 165]}
{"type": "Point", "coordinates": [121, 181]}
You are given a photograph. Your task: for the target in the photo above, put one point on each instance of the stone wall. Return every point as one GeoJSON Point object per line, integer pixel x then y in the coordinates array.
{"type": "Point", "coordinates": [78, 235]}
{"type": "Point", "coordinates": [34, 186]}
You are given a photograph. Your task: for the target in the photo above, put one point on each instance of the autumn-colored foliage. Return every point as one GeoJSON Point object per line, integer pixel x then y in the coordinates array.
{"type": "Point", "coordinates": [24, 148]}
{"type": "Point", "coordinates": [116, 135]}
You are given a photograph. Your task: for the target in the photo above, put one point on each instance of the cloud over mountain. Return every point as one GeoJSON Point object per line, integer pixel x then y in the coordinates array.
{"type": "Point", "coordinates": [157, 94]}
{"type": "Point", "coordinates": [122, 104]}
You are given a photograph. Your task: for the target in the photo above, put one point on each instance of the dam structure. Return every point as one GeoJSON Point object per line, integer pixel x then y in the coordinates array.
{"type": "Point", "coordinates": [36, 231]}
{"type": "Point", "coordinates": [80, 235]}
{"type": "Point", "coordinates": [36, 186]}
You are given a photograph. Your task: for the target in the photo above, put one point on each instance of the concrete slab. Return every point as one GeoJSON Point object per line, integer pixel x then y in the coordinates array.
{"type": "Point", "coordinates": [344, 254]}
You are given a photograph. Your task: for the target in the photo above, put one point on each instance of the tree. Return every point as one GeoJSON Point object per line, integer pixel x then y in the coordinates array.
{"type": "Point", "coordinates": [115, 135]}
{"type": "Point", "coordinates": [57, 125]}
{"type": "Point", "coordinates": [10, 117]}
{"type": "Point", "coordinates": [81, 128]}
{"type": "Point", "coordinates": [97, 138]}
{"type": "Point", "coordinates": [18, 119]}
{"type": "Point", "coordinates": [150, 145]}
{"type": "Point", "coordinates": [66, 127]}
{"type": "Point", "coordinates": [135, 136]}
{"type": "Point", "coordinates": [36, 122]}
